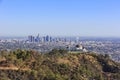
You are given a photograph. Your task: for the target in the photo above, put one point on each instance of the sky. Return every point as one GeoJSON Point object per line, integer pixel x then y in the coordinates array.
{"type": "Point", "coordinates": [99, 18]}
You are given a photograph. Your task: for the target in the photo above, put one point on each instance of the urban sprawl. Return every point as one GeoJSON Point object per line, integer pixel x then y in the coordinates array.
{"type": "Point", "coordinates": [76, 44]}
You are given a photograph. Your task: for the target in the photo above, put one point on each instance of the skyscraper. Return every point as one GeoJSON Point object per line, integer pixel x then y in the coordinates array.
{"type": "Point", "coordinates": [47, 38]}
{"type": "Point", "coordinates": [37, 39]}
{"type": "Point", "coordinates": [31, 38]}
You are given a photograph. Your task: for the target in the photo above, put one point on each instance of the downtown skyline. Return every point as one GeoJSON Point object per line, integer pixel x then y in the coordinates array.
{"type": "Point", "coordinates": [60, 18]}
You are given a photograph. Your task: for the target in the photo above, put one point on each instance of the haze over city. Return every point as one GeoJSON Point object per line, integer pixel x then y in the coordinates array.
{"type": "Point", "coordinates": [60, 17]}
{"type": "Point", "coordinates": [59, 39]}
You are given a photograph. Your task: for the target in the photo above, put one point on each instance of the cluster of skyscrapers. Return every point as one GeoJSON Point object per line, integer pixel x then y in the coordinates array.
{"type": "Point", "coordinates": [47, 38]}
{"type": "Point", "coordinates": [32, 38]}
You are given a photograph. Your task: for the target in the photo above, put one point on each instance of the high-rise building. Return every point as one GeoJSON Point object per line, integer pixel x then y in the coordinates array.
{"type": "Point", "coordinates": [31, 38]}
{"type": "Point", "coordinates": [37, 38]}
{"type": "Point", "coordinates": [51, 39]}
{"type": "Point", "coordinates": [47, 38]}
{"type": "Point", "coordinates": [44, 39]}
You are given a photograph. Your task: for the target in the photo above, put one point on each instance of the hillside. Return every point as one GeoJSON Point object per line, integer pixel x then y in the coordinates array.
{"type": "Point", "coordinates": [57, 65]}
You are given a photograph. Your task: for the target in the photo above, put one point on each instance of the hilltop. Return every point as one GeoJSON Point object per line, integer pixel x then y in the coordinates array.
{"type": "Point", "coordinates": [57, 65]}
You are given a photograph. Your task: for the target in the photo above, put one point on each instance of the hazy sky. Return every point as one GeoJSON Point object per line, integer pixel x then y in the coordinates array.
{"type": "Point", "coordinates": [60, 17]}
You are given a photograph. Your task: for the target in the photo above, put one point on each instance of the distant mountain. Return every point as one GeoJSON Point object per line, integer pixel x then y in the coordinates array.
{"type": "Point", "coordinates": [15, 37]}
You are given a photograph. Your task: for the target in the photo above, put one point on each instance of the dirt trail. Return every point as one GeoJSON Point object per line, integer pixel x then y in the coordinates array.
{"type": "Point", "coordinates": [14, 68]}
{"type": "Point", "coordinates": [9, 68]}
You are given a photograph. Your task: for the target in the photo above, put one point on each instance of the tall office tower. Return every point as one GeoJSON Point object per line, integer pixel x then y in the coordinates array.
{"type": "Point", "coordinates": [47, 38]}
{"type": "Point", "coordinates": [44, 39]}
{"type": "Point", "coordinates": [31, 38]}
{"type": "Point", "coordinates": [51, 39]}
{"type": "Point", "coordinates": [37, 38]}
